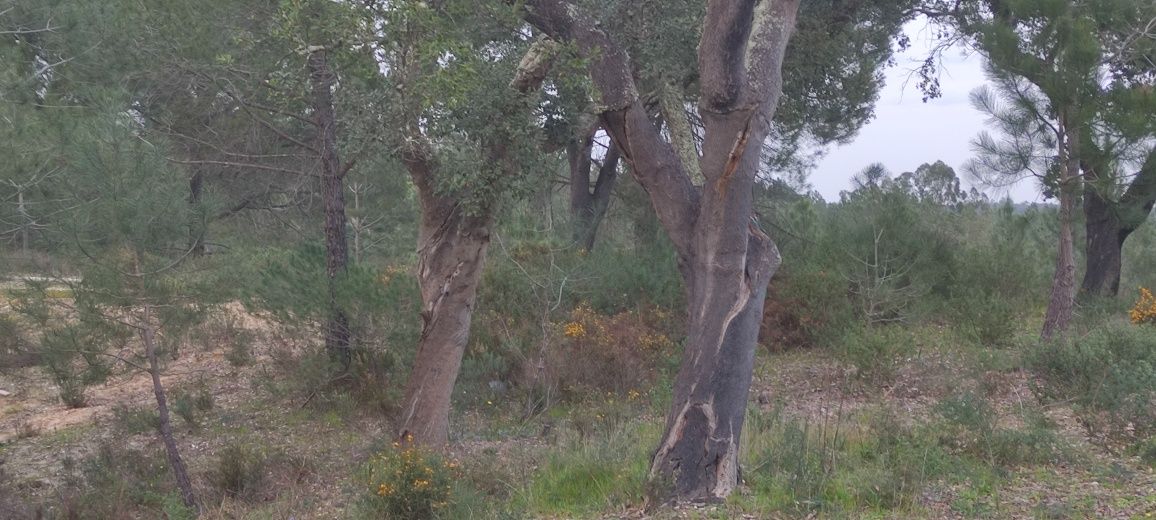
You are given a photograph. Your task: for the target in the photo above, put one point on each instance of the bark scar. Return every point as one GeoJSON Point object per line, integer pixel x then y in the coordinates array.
{"type": "Point", "coordinates": [736, 155]}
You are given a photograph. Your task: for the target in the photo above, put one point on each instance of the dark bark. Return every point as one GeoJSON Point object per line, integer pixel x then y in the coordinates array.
{"type": "Point", "coordinates": [1103, 248]}
{"type": "Point", "coordinates": [337, 335]}
{"type": "Point", "coordinates": [452, 248]}
{"type": "Point", "coordinates": [180, 471]}
{"type": "Point", "coordinates": [588, 206]}
{"type": "Point", "coordinates": [1108, 224]}
{"type": "Point", "coordinates": [725, 259]}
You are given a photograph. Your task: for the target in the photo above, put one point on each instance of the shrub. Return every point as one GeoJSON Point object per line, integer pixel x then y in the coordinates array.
{"type": "Point", "coordinates": [135, 419]}
{"type": "Point", "coordinates": [1110, 375]}
{"type": "Point", "coordinates": [597, 353]}
{"type": "Point", "coordinates": [1144, 311]}
{"type": "Point", "coordinates": [804, 307]}
{"type": "Point", "coordinates": [970, 427]}
{"type": "Point", "coordinates": [241, 472]}
{"type": "Point", "coordinates": [189, 404]}
{"type": "Point", "coordinates": [409, 482]}
{"type": "Point", "coordinates": [876, 352]}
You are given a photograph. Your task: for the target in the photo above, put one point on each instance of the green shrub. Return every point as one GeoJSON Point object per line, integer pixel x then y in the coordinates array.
{"type": "Point", "coordinates": [969, 427]}
{"type": "Point", "coordinates": [136, 419]}
{"type": "Point", "coordinates": [408, 482]}
{"type": "Point", "coordinates": [240, 473]}
{"type": "Point", "coordinates": [190, 404]}
{"type": "Point", "coordinates": [839, 466]}
{"type": "Point", "coordinates": [986, 319]}
{"type": "Point", "coordinates": [1110, 375]}
{"type": "Point", "coordinates": [876, 351]}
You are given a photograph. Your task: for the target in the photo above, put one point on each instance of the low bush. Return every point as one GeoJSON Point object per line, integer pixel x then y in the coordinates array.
{"type": "Point", "coordinates": [1109, 374]}
{"type": "Point", "coordinates": [241, 472]}
{"type": "Point", "coordinates": [594, 353]}
{"type": "Point", "coordinates": [408, 482]}
{"type": "Point", "coordinates": [135, 419]}
{"type": "Point", "coordinates": [876, 351]}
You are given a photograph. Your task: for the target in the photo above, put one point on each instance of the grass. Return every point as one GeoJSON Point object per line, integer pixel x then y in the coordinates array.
{"type": "Point", "coordinates": [939, 433]}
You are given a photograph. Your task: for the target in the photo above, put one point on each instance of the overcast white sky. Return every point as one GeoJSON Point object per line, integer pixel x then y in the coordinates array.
{"type": "Point", "coordinates": [907, 132]}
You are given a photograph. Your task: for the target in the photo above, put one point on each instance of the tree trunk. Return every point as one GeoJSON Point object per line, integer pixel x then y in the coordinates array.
{"type": "Point", "coordinates": [451, 254]}
{"type": "Point", "coordinates": [1108, 224]}
{"type": "Point", "coordinates": [1063, 296]}
{"type": "Point", "coordinates": [725, 259]}
{"type": "Point", "coordinates": [180, 472]}
{"type": "Point", "coordinates": [1104, 246]}
{"type": "Point", "coordinates": [587, 208]}
{"type": "Point", "coordinates": [337, 335]}
{"type": "Point", "coordinates": [198, 223]}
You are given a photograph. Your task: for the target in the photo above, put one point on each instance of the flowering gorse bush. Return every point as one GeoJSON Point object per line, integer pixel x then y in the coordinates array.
{"type": "Point", "coordinates": [617, 353]}
{"type": "Point", "coordinates": [1145, 309]}
{"type": "Point", "coordinates": [407, 481]}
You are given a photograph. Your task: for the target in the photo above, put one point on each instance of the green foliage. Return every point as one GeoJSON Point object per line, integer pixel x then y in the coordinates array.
{"type": "Point", "coordinates": [241, 472]}
{"type": "Point", "coordinates": [118, 482]}
{"type": "Point", "coordinates": [876, 352]}
{"type": "Point", "coordinates": [190, 403]}
{"type": "Point", "coordinates": [1109, 373]}
{"type": "Point", "coordinates": [876, 463]}
{"type": "Point", "coordinates": [408, 482]}
{"type": "Point", "coordinates": [588, 475]}
{"type": "Point", "coordinates": [970, 427]}
{"type": "Point", "coordinates": [135, 419]}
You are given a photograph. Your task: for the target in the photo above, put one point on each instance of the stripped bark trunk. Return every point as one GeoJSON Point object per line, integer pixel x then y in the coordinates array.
{"type": "Point", "coordinates": [321, 77]}
{"type": "Point", "coordinates": [726, 261]}
{"type": "Point", "coordinates": [452, 248]}
{"type": "Point", "coordinates": [452, 244]}
{"type": "Point", "coordinates": [1062, 302]}
{"type": "Point", "coordinates": [176, 463]}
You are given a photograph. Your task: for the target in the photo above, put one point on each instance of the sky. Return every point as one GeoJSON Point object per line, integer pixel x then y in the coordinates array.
{"type": "Point", "coordinates": [907, 132]}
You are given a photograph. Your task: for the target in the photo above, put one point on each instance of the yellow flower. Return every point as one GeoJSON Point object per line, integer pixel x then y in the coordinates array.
{"type": "Point", "coordinates": [574, 330]}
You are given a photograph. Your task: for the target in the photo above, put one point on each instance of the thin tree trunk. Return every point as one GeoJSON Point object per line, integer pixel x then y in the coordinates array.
{"type": "Point", "coordinates": [24, 221]}
{"type": "Point", "coordinates": [198, 223]}
{"type": "Point", "coordinates": [451, 255]}
{"type": "Point", "coordinates": [180, 472]}
{"type": "Point", "coordinates": [337, 335]}
{"type": "Point", "coordinates": [1062, 302]}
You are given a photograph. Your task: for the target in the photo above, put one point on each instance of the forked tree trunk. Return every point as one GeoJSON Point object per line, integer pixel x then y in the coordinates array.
{"type": "Point", "coordinates": [1108, 224]}
{"type": "Point", "coordinates": [180, 472]}
{"type": "Point", "coordinates": [1062, 302]}
{"type": "Point", "coordinates": [725, 259]}
{"type": "Point", "coordinates": [1104, 246]}
{"type": "Point", "coordinates": [588, 207]}
{"type": "Point", "coordinates": [451, 255]}
{"type": "Point", "coordinates": [337, 335]}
